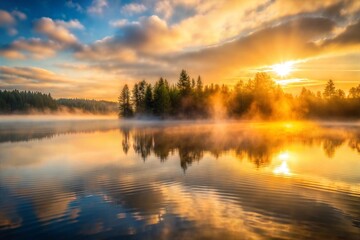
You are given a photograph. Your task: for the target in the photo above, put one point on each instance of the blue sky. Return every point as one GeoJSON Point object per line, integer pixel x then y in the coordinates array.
{"type": "Point", "coordinates": [91, 48]}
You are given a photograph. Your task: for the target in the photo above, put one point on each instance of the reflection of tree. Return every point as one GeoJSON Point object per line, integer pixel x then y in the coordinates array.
{"type": "Point", "coordinates": [143, 144]}
{"type": "Point", "coordinates": [32, 130]}
{"type": "Point", "coordinates": [126, 139]}
{"type": "Point", "coordinates": [330, 144]}
{"type": "Point", "coordinates": [188, 156]}
{"type": "Point", "coordinates": [258, 146]}
{"type": "Point", "coordinates": [354, 142]}
{"type": "Point", "coordinates": [191, 145]}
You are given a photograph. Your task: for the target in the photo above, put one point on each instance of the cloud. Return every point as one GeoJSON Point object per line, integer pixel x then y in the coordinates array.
{"type": "Point", "coordinates": [59, 38]}
{"type": "Point", "coordinates": [119, 23]}
{"type": "Point", "coordinates": [151, 35]}
{"type": "Point", "coordinates": [72, 24]}
{"type": "Point", "coordinates": [30, 48]}
{"type": "Point", "coordinates": [30, 75]}
{"type": "Point", "coordinates": [223, 48]}
{"type": "Point", "coordinates": [218, 39]}
{"type": "Point", "coordinates": [76, 6]}
{"type": "Point", "coordinates": [133, 8]}
{"type": "Point", "coordinates": [6, 18]}
{"type": "Point", "coordinates": [55, 31]}
{"type": "Point", "coordinates": [106, 49]}
{"type": "Point", "coordinates": [351, 35]}
{"type": "Point", "coordinates": [19, 15]}
{"type": "Point", "coordinates": [8, 21]}
{"type": "Point", "coordinates": [289, 41]}
{"type": "Point", "coordinates": [97, 6]}
{"type": "Point", "coordinates": [64, 84]}
{"type": "Point", "coordinates": [12, 31]}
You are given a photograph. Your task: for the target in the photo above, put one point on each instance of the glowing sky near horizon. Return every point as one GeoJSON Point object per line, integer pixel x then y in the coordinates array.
{"type": "Point", "coordinates": [90, 48]}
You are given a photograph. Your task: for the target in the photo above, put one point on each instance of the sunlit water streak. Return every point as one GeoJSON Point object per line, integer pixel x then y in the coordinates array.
{"type": "Point", "coordinates": [179, 180]}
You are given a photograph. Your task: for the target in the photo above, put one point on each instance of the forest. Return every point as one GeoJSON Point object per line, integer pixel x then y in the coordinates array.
{"type": "Point", "coordinates": [28, 102]}
{"type": "Point", "coordinates": [259, 97]}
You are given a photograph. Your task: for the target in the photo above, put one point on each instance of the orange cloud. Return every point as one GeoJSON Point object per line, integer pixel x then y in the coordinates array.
{"type": "Point", "coordinates": [54, 31]}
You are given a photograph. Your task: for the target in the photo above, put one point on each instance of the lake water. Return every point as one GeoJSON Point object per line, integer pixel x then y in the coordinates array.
{"type": "Point", "coordinates": [103, 179]}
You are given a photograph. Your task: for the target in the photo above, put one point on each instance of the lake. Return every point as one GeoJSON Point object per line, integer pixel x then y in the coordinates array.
{"type": "Point", "coordinates": [107, 179]}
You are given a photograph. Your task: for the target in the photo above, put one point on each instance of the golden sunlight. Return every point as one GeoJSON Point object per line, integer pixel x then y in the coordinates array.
{"type": "Point", "coordinates": [283, 69]}
{"type": "Point", "coordinates": [283, 169]}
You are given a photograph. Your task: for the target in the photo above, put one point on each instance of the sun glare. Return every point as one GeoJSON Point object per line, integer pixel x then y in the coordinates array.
{"type": "Point", "coordinates": [283, 169]}
{"type": "Point", "coordinates": [283, 69]}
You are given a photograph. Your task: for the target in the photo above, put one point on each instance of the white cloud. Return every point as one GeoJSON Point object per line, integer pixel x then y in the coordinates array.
{"type": "Point", "coordinates": [97, 6]}
{"type": "Point", "coordinates": [119, 23]}
{"type": "Point", "coordinates": [76, 6]}
{"type": "Point", "coordinates": [133, 8]}
{"type": "Point", "coordinates": [72, 24]}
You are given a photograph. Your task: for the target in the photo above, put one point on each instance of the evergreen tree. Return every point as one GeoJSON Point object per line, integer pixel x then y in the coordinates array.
{"type": "Point", "coordinates": [193, 84]}
{"type": "Point", "coordinates": [138, 96]}
{"type": "Point", "coordinates": [199, 85]}
{"type": "Point", "coordinates": [354, 92]}
{"type": "Point", "coordinates": [161, 98]}
{"type": "Point", "coordinates": [184, 83]}
{"type": "Point", "coordinates": [125, 109]}
{"type": "Point", "coordinates": [148, 99]}
{"type": "Point", "coordinates": [329, 90]}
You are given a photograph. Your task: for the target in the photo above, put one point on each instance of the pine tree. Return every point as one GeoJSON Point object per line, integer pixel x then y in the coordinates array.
{"type": "Point", "coordinates": [125, 109]}
{"type": "Point", "coordinates": [148, 99]}
{"type": "Point", "coordinates": [184, 83]}
{"type": "Point", "coordinates": [161, 98]}
{"type": "Point", "coordinates": [329, 90]}
{"type": "Point", "coordinates": [138, 96]}
{"type": "Point", "coordinates": [199, 85]}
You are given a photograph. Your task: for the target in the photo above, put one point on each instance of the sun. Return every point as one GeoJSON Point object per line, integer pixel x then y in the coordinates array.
{"type": "Point", "coordinates": [283, 69]}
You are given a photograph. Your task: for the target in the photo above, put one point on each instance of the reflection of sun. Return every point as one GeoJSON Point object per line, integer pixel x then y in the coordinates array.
{"type": "Point", "coordinates": [284, 156]}
{"type": "Point", "coordinates": [283, 168]}
{"type": "Point", "coordinates": [283, 69]}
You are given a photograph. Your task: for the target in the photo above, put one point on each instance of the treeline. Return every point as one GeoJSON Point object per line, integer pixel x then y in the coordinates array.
{"type": "Point", "coordinates": [23, 101]}
{"type": "Point", "coordinates": [26, 102]}
{"type": "Point", "coordinates": [259, 97]}
{"type": "Point", "coordinates": [92, 106]}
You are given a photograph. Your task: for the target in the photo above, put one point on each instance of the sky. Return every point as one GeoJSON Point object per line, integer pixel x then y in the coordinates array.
{"type": "Point", "coordinates": [91, 48]}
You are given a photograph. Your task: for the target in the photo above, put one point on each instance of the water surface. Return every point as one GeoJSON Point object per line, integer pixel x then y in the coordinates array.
{"type": "Point", "coordinates": [103, 179]}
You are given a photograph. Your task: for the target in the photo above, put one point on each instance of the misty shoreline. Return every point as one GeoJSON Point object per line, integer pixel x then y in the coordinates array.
{"type": "Point", "coordinates": [105, 119]}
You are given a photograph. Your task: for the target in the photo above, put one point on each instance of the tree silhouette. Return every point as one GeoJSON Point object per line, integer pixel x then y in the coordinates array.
{"type": "Point", "coordinates": [125, 109]}
{"type": "Point", "coordinates": [148, 99]}
{"type": "Point", "coordinates": [161, 98]}
{"type": "Point", "coordinates": [258, 97]}
{"type": "Point", "coordinates": [329, 90]}
{"type": "Point", "coordinates": [184, 84]}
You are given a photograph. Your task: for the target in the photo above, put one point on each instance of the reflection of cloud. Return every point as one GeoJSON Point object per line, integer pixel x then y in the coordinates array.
{"type": "Point", "coordinates": [85, 179]}
{"type": "Point", "coordinates": [54, 206]}
{"type": "Point", "coordinates": [9, 222]}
